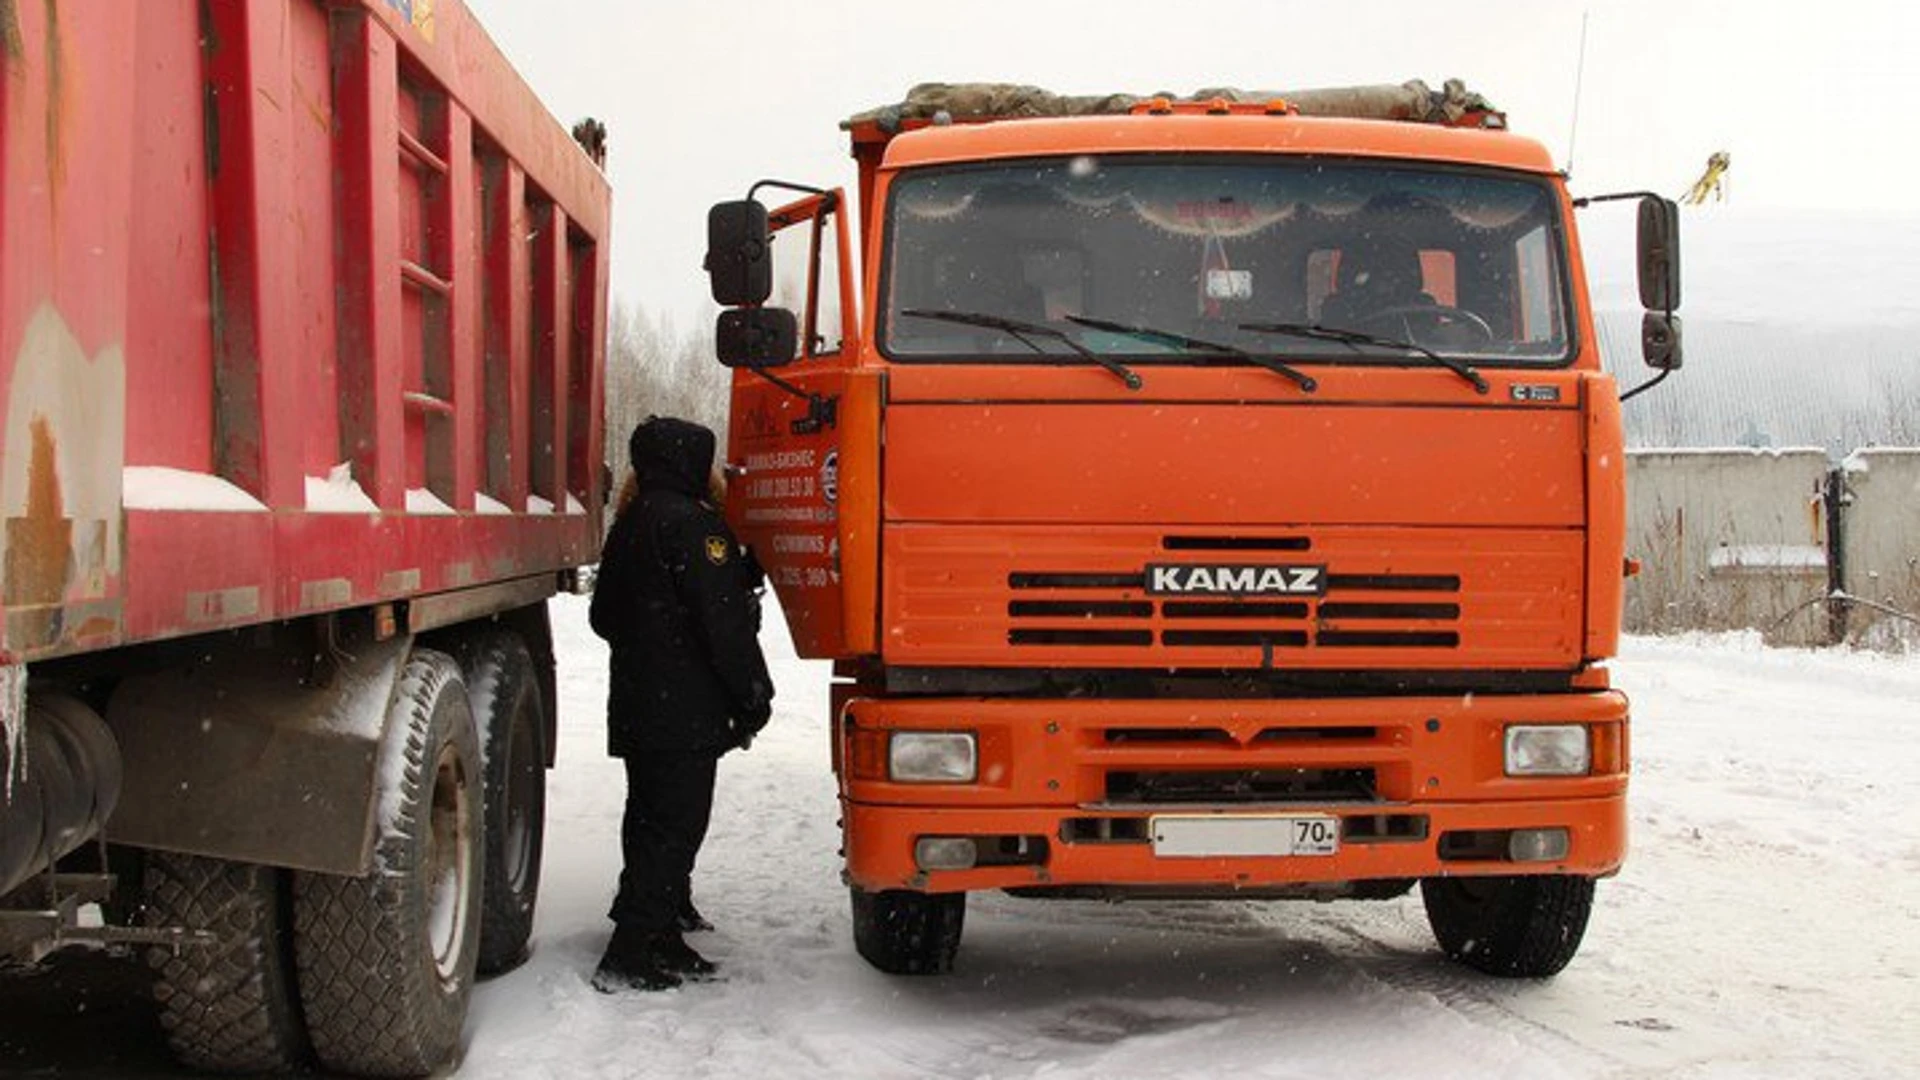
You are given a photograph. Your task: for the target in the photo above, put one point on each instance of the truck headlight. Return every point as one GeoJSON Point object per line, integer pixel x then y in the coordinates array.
{"type": "Point", "coordinates": [932, 757]}
{"type": "Point", "coordinates": [1548, 750]}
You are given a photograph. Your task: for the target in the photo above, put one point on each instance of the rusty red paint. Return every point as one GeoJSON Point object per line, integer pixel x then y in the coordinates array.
{"type": "Point", "coordinates": [301, 324]}
{"type": "Point", "coordinates": [40, 544]}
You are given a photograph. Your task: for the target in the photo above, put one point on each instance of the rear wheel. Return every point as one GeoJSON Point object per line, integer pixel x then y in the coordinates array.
{"type": "Point", "coordinates": [387, 960]}
{"type": "Point", "coordinates": [505, 695]}
{"type": "Point", "coordinates": [229, 1005]}
{"type": "Point", "coordinates": [1514, 927]}
{"type": "Point", "coordinates": [908, 933]}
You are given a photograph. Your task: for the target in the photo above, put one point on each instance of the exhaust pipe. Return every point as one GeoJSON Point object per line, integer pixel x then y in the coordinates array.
{"type": "Point", "coordinates": [59, 780]}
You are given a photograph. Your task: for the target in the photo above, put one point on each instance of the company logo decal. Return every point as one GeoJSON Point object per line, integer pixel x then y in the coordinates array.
{"type": "Point", "coordinates": [1236, 579]}
{"type": "Point", "coordinates": [830, 477]}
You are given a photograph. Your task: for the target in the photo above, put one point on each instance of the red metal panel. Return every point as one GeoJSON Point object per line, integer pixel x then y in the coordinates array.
{"type": "Point", "coordinates": [463, 330]}
{"type": "Point", "coordinates": [508, 362]}
{"type": "Point", "coordinates": [66, 179]}
{"type": "Point", "coordinates": [585, 360]}
{"type": "Point", "coordinates": [169, 317]}
{"type": "Point", "coordinates": [368, 170]}
{"type": "Point", "coordinates": [551, 317]}
{"type": "Point", "coordinates": [308, 245]}
{"type": "Point", "coordinates": [256, 373]}
{"type": "Point", "coordinates": [301, 216]}
{"type": "Point", "coordinates": [455, 50]}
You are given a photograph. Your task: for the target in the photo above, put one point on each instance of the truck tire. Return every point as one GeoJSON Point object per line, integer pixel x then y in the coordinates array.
{"type": "Point", "coordinates": [386, 961]}
{"type": "Point", "coordinates": [231, 1005]}
{"type": "Point", "coordinates": [908, 933]}
{"type": "Point", "coordinates": [1513, 927]}
{"type": "Point", "coordinates": [504, 691]}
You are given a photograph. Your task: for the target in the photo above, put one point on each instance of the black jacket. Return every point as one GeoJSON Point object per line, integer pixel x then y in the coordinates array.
{"type": "Point", "coordinates": [676, 598]}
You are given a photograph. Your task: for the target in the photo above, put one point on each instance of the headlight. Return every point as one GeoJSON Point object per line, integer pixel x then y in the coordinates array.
{"type": "Point", "coordinates": [1548, 750]}
{"type": "Point", "coordinates": [932, 757]}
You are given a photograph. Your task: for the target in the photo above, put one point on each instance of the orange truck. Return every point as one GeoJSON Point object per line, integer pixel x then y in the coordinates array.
{"type": "Point", "coordinates": [1203, 498]}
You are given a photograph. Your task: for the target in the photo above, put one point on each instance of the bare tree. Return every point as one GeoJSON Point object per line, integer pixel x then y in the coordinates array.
{"type": "Point", "coordinates": [654, 369]}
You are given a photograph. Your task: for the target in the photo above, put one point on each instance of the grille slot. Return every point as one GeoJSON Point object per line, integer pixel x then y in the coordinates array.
{"type": "Point", "coordinates": [1242, 786]}
{"type": "Point", "coordinates": [1289, 638]}
{"type": "Point", "coordinates": [1118, 736]}
{"type": "Point", "coordinates": [1236, 543]}
{"type": "Point", "coordinates": [1395, 582]}
{"type": "Point", "coordinates": [1081, 609]}
{"type": "Point", "coordinates": [1228, 609]}
{"type": "Point", "coordinates": [1073, 580]}
{"type": "Point", "coordinates": [1352, 610]}
{"type": "Point", "coordinates": [1388, 639]}
{"type": "Point", "coordinates": [1315, 734]}
{"type": "Point", "coordinates": [1052, 636]}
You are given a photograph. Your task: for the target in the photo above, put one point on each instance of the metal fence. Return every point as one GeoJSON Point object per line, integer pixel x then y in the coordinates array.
{"type": "Point", "coordinates": [1780, 541]}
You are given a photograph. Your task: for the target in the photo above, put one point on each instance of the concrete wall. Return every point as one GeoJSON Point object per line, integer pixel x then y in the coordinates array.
{"type": "Point", "coordinates": [1880, 538]}
{"type": "Point", "coordinates": [1727, 539]}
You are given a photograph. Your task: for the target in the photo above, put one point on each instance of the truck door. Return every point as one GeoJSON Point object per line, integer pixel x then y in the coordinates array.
{"type": "Point", "coordinates": [803, 457]}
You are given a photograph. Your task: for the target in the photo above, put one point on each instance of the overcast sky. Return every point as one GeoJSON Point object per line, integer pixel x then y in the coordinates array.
{"type": "Point", "coordinates": [1813, 101]}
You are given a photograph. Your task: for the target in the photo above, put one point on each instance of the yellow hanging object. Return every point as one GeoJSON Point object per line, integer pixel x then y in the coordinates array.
{"type": "Point", "coordinates": [1710, 181]}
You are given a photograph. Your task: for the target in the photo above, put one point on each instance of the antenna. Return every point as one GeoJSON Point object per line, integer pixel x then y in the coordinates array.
{"type": "Point", "coordinates": [1579, 77]}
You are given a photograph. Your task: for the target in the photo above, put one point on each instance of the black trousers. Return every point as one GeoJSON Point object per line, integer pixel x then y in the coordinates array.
{"type": "Point", "coordinates": [669, 802]}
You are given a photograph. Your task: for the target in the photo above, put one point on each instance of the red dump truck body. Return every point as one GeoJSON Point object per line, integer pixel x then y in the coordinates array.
{"type": "Point", "coordinates": [302, 310]}
{"type": "Point", "coordinates": [237, 257]}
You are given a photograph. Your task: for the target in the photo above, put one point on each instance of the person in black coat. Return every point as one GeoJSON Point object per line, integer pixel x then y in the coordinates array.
{"type": "Point", "coordinates": [677, 598]}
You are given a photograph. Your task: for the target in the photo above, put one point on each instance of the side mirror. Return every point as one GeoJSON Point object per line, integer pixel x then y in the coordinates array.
{"type": "Point", "coordinates": [756, 337]}
{"type": "Point", "coordinates": [1660, 256]}
{"type": "Point", "coordinates": [739, 253]}
{"type": "Point", "coordinates": [1660, 340]}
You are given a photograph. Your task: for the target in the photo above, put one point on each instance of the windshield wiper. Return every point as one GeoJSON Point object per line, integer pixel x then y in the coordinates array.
{"type": "Point", "coordinates": [1357, 338]}
{"type": "Point", "coordinates": [1305, 381]}
{"type": "Point", "coordinates": [1020, 330]}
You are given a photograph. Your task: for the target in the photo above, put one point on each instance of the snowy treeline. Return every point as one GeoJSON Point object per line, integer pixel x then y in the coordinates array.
{"type": "Point", "coordinates": [662, 366]}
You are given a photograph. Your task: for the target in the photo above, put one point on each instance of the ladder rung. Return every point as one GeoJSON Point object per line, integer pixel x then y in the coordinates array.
{"type": "Point", "coordinates": [415, 152]}
{"type": "Point", "coordinates": [427, 402]}
{"type": "Point", "coordinates": [414, 274]}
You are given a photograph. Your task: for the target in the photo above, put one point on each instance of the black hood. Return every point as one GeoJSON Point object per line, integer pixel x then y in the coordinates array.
{"type": "Point", "coordinates": [672, 454]}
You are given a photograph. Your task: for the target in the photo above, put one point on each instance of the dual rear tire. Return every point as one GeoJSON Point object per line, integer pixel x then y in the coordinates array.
{"type": "Point", "coordinates": [373, 974]}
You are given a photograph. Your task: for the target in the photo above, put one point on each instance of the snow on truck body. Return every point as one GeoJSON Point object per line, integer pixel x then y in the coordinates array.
{"type": "Point", "coordinates": [301, 312]}
{"type": "Point", "coordinates": [1144, 576]}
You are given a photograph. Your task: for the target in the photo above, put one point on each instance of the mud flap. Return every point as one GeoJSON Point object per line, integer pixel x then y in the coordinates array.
{"type": "Point", "coordinates": [244, 759]}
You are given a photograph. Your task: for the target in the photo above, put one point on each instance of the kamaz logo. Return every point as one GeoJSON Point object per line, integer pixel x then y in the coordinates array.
{"type": "Point", "coordinates": [1237, 580]}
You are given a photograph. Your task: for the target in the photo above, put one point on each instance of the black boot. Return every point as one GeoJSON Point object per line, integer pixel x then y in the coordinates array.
{"type": "Point", "coordinates": [689, 920]}
{"type": "Point", "coordinates": [678, 957]}
{"type": "Point", "coordinates": [634, 960]}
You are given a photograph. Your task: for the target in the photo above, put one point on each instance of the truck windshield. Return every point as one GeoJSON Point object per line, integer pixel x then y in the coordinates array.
{"type": "Point", "coordinates": [1467, 265]}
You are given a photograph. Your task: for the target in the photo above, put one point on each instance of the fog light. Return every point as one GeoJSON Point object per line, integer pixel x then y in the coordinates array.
{"type": "Point", "coordinates": [1548, 750]}
{"type": "Point", "coordinates": [1537, 845]}
{"type": "Point", "coordinates": [932, 757]}
{"type": "Point", "coordinates": [945, 853]}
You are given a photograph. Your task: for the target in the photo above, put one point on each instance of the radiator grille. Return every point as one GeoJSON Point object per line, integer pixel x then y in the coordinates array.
{"type": "Point", "coordinates": [1358, 610]}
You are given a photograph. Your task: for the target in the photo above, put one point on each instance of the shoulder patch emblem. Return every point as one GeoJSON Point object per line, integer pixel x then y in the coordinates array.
{"type": "Point", "coordinates": [717, 550]}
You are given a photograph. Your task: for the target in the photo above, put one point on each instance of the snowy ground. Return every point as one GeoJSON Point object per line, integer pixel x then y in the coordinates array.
{"type": "Point", "coordinates": [1767, 924]}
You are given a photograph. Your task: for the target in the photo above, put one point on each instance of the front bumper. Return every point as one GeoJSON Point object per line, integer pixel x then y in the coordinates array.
{"type": "Point", "coordinates": [1067, 790]}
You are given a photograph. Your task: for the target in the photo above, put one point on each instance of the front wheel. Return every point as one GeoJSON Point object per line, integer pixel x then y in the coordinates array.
{"type": "Point", "coordinates": [908, 933]}
{"type": "Point", "coordinates": [1514, 927]}
{"type": "Point", "coordinates": [387, 960]}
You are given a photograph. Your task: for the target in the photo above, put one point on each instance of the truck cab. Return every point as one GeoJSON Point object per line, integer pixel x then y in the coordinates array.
{"type": "Point", "coordinates": [1207, 499]}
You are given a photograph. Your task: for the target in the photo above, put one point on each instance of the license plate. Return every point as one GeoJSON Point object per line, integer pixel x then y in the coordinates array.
{"type": "Point", "coordinates": [1190, 836]}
